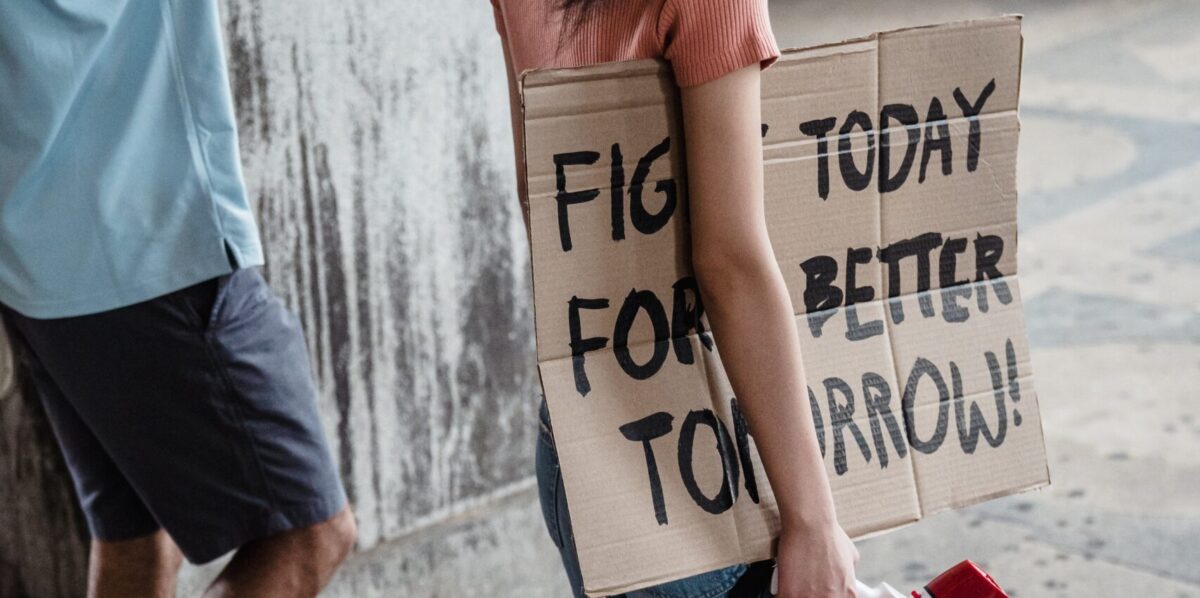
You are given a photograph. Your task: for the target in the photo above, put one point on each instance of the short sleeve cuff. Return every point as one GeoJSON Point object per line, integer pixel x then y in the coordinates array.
{"type": "Point", "coordinates": [751, 50]}
{"type": "Point", "coordinates": [707, 39]}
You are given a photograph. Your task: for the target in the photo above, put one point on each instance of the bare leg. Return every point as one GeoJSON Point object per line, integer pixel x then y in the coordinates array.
{"type": "Point", "coordinates": [295, 564]}
{"type": "Point", "coordinates": [145, 566]}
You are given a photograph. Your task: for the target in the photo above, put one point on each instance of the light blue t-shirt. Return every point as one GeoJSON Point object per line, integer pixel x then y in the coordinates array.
{"type": "Point", "coordinates": [119, 171]}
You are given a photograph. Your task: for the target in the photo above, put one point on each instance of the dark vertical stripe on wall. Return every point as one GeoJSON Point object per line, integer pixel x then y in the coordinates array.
{"type": "Point", "coordinates": [332, 279]}
{"type": "Point", "coordinates": [362, 289]}
{"type": "Point", "coordinates": [326, 241]}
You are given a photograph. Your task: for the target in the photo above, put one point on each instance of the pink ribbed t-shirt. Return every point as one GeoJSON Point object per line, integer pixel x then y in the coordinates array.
{"type": "Point", "coordinates": [702, 39]}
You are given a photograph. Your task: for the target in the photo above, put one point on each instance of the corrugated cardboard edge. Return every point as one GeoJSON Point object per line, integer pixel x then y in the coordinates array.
{"type": "Point", "coordinates": [631, 68]}
{"type": "Point", "coordinates": [988, 22]}
{"type": "Point", "coordinates": [525, 205]}
{"type": "Point", "coordinates": [944, 25]}
{"type": "Point", "coordinates": [533, 78]}
{"type": "Point", "coordinates": [925, 515]}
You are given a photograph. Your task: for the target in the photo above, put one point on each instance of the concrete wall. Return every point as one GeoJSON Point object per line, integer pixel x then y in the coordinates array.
{"type": "Point", "coordinates": [375, 142]}
{"type": "Point", "coordinates": [42, 532]}
{"type": "Point", "coordinates": [376, 146]}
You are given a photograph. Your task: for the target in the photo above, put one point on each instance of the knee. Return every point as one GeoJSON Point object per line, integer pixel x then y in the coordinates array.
{"type": "Point", "coordinates": [325, 546]}
{"type": "Point", "coordinates": [315, 551]}
{"type": "Point", "coordinates": [314, 554]}
{"type": "Point", "coordinates": [296, 563]}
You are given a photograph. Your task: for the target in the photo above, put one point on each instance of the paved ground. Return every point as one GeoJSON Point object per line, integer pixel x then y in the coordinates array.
{"type": "Point", "coordinates": [1110, 261]}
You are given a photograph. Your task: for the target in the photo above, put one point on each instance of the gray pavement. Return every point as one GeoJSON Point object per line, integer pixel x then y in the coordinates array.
{"type": "Point", "coordinates": [1110, 275]}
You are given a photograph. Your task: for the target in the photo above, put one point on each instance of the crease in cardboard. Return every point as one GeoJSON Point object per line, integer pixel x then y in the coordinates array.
{"type": "Point", "coordinates": [888, 331]}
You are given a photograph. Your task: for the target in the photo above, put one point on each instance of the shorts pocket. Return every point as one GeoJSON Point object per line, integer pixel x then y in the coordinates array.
{"type": "Point", "coordinates": [214, 314]}
{"type": "Point", "coordinates": [243, 294]}
{"type": "Point", "coordinates": [197, 304]}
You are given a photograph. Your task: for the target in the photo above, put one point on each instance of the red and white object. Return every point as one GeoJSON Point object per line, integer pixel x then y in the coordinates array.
{"type": "Point", "coordinates": [964, 580]}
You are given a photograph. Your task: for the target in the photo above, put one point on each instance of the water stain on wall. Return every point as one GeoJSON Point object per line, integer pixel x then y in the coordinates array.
{"type": "Point", "coordinates": [377, 145]}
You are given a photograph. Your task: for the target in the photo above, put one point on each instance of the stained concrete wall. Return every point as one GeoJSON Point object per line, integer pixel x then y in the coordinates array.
{"type": "Point", "coordinates": [375, 142]}
{"type": "Point", "coordinates": [376, 146]}
{"type": "Point", "coordinates": [42, 533]}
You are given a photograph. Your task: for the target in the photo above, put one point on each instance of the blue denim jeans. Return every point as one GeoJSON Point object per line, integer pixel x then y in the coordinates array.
{"type": "Point", "coordinates": [737, 581]}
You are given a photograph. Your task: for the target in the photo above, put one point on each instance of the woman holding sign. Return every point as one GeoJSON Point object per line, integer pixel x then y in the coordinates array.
{"type": "Point", "coordinates": [717, 49]}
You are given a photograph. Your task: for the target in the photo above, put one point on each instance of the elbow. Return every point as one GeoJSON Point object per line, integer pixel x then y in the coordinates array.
{"type": "Point", "coordinates": [725, 273]}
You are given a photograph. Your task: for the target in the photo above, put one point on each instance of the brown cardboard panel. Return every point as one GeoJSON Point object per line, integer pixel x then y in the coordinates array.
{"type": "Point", "coordinates": [860, 425]}
{"type": "Point", "coordinates": [799, 91]}
{"type": "Point", "coordinates": [629, 374]}
{"type": "Point", "coordinates": [985, 196]}
{"type": "Point", "coordinates": [800, 230]}
{"type": "Point", "coordinates": [613, 278]}
{"type": "Point", "coordinates": [964, 206]}
{"type": "Point", "coordinates": [610, 77]}
{"type": "Point", "coordinates": [620, 539]}
{"type": "Point", "coordinates": [966, 55]}
{"type": "Point", "coordinates": [636, 111]}
{"type": "Point", "coordinates": [973, 339]}
{"type": "Point", "coordinates": [976, 429]}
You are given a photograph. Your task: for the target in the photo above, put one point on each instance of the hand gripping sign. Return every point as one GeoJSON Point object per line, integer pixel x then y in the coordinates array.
{"type": "Point", "coordinates": [891, 202]}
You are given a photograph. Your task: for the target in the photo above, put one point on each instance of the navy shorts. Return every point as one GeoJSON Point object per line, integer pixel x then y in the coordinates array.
{"type": "Point", "coordinates": [194, 412]}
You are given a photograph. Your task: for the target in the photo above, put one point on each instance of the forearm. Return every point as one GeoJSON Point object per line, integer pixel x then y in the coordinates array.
{"type": "Point", "coordinates": [744, 294]}
{"type": "Point", "coordinates": [753, 322]}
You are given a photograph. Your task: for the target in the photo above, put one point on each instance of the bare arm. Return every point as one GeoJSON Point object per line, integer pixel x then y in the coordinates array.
{"type": "Point", "coordinates": [753, 321]}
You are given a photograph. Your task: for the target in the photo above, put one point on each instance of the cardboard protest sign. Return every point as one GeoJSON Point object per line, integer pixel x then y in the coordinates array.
{"type": "Point", "coordinates": [891, 200]}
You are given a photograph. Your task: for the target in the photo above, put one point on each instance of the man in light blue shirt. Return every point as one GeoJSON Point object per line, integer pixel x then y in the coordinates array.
{"type": "Point", "coordinates": [120, 179]}
{"type": "Point", "coordinates": [177, 384]}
